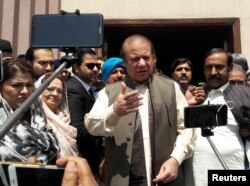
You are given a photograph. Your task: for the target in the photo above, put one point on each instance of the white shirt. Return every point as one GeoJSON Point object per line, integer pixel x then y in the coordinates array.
{"type": "Point", "coordinates": [226, 139]}
{"type": "Point", "coordinates": [102, 120]}
{"type": "Point", "coordinates": [86, 86]}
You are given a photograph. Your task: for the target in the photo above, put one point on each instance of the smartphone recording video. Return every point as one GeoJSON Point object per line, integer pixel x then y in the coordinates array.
{"type": "Point", "coordinates": [4, 174]}
{"type": "Point", "coordinates": [29, 175]}
{"type": "Point", "coordinates": [205, 116]}
{"type": "Point", "coordinates": [70, 30]}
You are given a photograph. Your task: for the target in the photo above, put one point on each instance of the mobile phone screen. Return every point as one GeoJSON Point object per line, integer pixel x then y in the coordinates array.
{"type": "Point", "coordinates": [70, 30]}
{"type": "Point", "coordinates": [4, 174]}
{"type": "Point", "coordinates": [35, 175]}
{"type": "Point", "coordinates": [204, 116]}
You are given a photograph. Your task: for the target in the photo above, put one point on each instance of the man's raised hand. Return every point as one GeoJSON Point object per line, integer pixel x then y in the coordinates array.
{"type": "Point", "coordinates": [127, 102]}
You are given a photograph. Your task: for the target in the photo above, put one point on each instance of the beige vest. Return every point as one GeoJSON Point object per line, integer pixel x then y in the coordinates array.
{"type": "Point", "coordinates": [118, 148]}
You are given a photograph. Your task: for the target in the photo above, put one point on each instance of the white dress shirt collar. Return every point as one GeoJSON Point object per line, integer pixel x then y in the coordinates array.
{"type": "Point", "coordinates": [85, 85]}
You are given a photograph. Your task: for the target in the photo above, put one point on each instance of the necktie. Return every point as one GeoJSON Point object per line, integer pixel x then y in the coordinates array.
{"type": "Point", "coordinates": [91, 94]}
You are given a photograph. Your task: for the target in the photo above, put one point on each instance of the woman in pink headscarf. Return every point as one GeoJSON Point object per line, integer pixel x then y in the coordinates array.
{"type": "Point", "coordinates": [55, 105]}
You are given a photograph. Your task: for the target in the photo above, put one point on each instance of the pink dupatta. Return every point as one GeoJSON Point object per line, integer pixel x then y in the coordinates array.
{"type": "Point", "coordinates": [59, 123]}
{"type": "Point", "coordinates": [66, 134]}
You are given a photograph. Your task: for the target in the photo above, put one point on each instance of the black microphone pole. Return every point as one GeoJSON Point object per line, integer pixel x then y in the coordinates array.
{"type": "Point", "coordinates": [16, 116]}
{"type": "Point", "coordinates": [206, 132]}
{"type": "Point", "coordinates": [224, 165]}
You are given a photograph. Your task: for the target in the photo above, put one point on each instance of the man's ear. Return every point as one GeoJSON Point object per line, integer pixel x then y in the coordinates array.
{"type": "Point", "coordinates": [230, 67]}
{"type": "Point", "coordinates": [172, 75]}
{"type": "Point", "coordinates": [155, 59]}
{"type": "Point", "coordinates": [75, 68]}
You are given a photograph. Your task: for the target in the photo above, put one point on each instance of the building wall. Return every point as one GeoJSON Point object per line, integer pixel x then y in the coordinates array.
{"type": "Point", "coordinates": [15, 20]}
{"type": "Point", "coordinates": [15, 15]}
{"type": "Point", "coordinates": [169, 9]}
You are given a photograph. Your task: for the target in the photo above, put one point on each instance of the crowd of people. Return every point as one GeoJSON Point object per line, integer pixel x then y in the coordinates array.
{"type": "Point", "coordinates": [120, 121]}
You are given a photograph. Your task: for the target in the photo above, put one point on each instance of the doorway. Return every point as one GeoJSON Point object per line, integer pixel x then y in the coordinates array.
{"type": "Point", "coordinates": [172, 38]}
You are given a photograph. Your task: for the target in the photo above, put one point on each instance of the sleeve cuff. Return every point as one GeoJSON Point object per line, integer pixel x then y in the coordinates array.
{"type": "Point", "coordinates": [111, 117]}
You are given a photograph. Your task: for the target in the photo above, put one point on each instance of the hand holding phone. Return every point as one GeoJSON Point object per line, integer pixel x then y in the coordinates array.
{"type": "Point", "coordinates": [77, 171]}
{"type": "Point", "coordinates": [39, 175]}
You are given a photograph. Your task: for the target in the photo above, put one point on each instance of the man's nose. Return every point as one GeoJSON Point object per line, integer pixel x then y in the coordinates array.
{"type": "Point", "coordinates": [183, 71]}
{"type": "Point", "coordinates": [119, 74]}
{"type": "Point", "coordinates": [141, 61]}
{"type": "Point", "coordinates": [49, 67]}
{"type": "Point", "coordinates": [213, 71]}
{"type": "Point", "coordinates": [96, 69]}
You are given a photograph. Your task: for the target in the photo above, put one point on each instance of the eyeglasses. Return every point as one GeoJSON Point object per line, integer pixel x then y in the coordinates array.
{"type": "Point", "coordinates": [235, 82]}
{"type": "Point", "coordinates": [52, 89]}
{"type": "Point", "coordinates": [91, 66]}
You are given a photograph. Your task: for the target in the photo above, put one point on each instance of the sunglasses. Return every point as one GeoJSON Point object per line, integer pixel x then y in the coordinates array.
{"type": "Point", "coordinates": [235, 82]}
{"type": "Point", "coordinates": [91, 66]}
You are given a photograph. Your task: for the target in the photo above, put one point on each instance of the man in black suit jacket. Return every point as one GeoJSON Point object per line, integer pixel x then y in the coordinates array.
{"type": "Point", "coordinates": [85, 72]}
